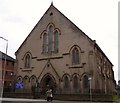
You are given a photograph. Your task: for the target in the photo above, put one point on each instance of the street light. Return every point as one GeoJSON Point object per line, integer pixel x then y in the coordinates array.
{"type": "Point", "coordinates": [90, 78]}
{"type": "Point", "coordinates": [4, 66]}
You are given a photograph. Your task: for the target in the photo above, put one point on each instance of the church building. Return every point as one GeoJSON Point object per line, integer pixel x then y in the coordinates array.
{"type": "Point", "coordinates": [58, 55]}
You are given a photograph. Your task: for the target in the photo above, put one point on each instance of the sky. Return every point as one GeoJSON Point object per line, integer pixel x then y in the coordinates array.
{"type": "Point", "coordinates": [96, 18]}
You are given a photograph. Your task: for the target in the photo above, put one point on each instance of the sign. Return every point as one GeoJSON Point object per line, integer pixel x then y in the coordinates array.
{"type": "Point", "coordinates": [19, 85]}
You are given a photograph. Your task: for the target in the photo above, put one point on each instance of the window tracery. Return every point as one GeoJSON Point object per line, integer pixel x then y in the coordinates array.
{"type": "Point", "coordinates": [50, 39]}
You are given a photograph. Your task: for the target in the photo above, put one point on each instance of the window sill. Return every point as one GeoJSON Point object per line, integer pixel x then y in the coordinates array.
{"type": "Point", "coordinates": [76, 66]}
{"type": "Point", "coordinates": [27, 69]}
{"type": "Point", "coordinates": [50, 52]}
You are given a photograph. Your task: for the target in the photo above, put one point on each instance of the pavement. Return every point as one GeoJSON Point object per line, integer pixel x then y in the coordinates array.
{"type": "Point", "coordinates": [21, 100]}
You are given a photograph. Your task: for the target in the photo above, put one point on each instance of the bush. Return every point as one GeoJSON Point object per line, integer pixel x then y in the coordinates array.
{"type": "Point", "coordinates": [115, 97]}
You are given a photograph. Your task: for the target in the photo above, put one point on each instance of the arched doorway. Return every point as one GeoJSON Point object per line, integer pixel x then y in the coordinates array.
{"type": "Point", "coordinates": [48, 82]}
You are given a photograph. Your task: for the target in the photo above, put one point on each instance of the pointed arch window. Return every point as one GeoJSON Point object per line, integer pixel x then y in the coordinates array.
{"type": "Point", "coordinates": [66, 83]}
{"type": "Point", "coordinates": [75, 84]}
{"type": "Point", "coordinates": [19, 79]}
{"type": "Point", "coordinates": [86, 84]}
{"type": "Point", "coordinates": [75, 56]}
{"type": "Point", "coordinates": [50, 33]}
{"type": "Point", "coordinates": [27, 61]}
{"type": "Point", "coordinates": [33, 81]}
{"type": "Point", "coordinates": [56, 40]}
{"type": "Point", "coordinates": [50, 39]}
{"type": "Point", "coordinates": [26, 82]}
{"type": "Point", "coordinates": [45, 43]}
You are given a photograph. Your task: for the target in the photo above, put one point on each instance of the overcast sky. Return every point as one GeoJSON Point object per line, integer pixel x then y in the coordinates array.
{"type": "Point", "coordinates": [96, 18]}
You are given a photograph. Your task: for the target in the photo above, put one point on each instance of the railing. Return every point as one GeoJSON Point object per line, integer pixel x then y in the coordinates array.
{"type": "Point", "coordinates": [71, 97]}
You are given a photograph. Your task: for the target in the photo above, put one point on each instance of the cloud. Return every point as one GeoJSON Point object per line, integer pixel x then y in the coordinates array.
{"type": "Point", "coordinates": [13, 19]}
{"type": "Point", "coordinates": [97, 18]}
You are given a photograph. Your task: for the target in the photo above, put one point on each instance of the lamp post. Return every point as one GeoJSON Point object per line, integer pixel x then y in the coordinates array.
{"type": "Point", "coordinates": [4, 66]}
{"type": "Point", "coordinates": [90, 78]}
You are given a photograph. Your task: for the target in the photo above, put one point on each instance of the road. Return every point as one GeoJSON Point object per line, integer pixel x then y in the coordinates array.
{"type": "Point", "coordinates": [13, 100]}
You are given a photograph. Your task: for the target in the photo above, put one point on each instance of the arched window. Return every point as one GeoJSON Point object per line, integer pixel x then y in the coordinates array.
{"type": "Point", "coordinates": [19, 79]}
{"type": "Point", "coordinates": [86, 84]}
{"type": "Point", "coordinates": [26, 82]}
{"type": "Point", "coordinates": [27, 61]}
{"type": "Point", "coordinates": [50, 34]}
{"type": "Point", "coordinates": [75, 84]}
{"type": "Point", "coordinates": [75, 56]}
{"type": "Point", "coordinates": [50, 39]}
{"type": "Point", "coordinates": [66, 83]}
{"type": "Point", "coordinates": [45, 44]}
{"type": "Point", "coordinates": [56, 40]}
{"type": "Point", "coordinates": [33, 80]}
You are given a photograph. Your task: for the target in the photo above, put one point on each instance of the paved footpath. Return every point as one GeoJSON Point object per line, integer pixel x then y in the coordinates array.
{"type": "Point", "coordinates": [16, 100]}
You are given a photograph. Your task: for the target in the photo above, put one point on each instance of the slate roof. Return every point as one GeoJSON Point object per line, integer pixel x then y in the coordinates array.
{"type": "Point", "coordinates": [8, 58]}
